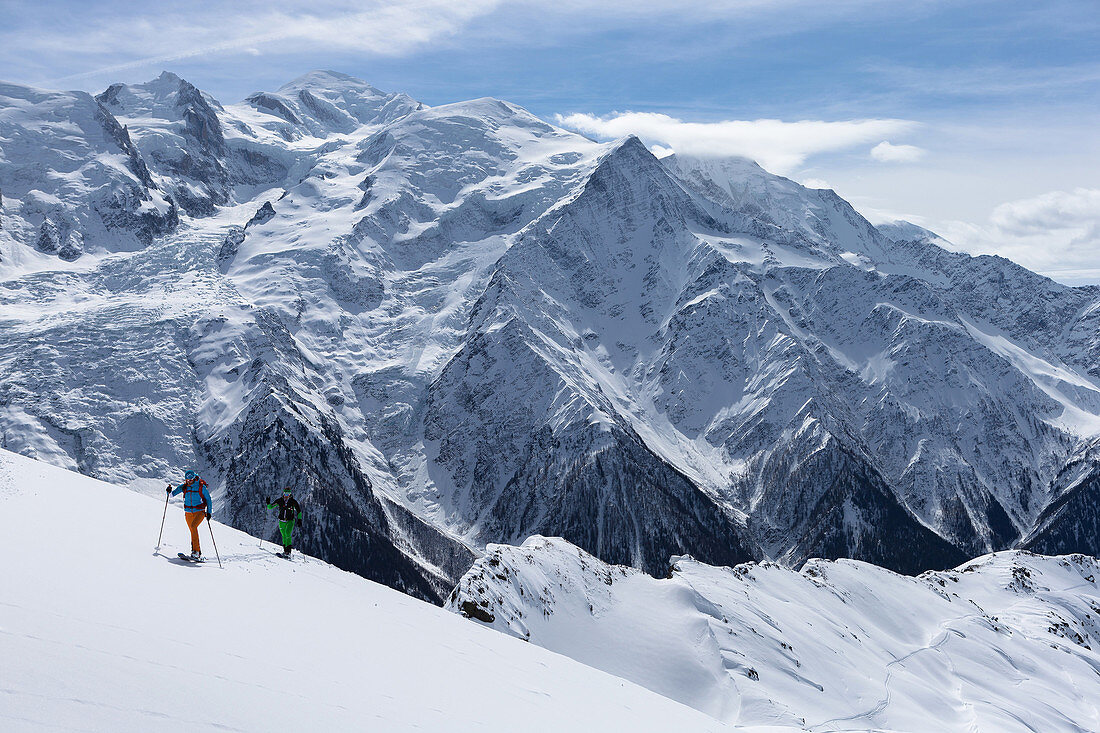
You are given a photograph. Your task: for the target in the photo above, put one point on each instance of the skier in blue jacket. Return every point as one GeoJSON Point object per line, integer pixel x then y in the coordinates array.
{"type": "Point", "coordinates": [196, 505]}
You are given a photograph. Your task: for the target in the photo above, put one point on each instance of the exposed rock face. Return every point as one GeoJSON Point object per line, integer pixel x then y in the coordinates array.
{"type": "Point", "coordinates": [274, 445]}
{"type": "Point", "coordinates": [462, 325]}
{"type": "Point", "coordinates": [1072, 518]}
{"type": "Point", "coordinates": [264, 215]}
{"type": "Point", "coordinates": [234, 238]}
{"type": "Point", "coordinates": [49, 238]}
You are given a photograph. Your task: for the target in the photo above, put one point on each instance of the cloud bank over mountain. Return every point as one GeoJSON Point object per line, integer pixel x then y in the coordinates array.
{"type": "Point", "coordinates": [779, 146]}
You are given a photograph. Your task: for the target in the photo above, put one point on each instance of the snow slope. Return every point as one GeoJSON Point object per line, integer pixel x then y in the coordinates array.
{"type": "Point", "coordinates": [1006, 642]}
{"type": "Point", "coordinates": [98, 632]}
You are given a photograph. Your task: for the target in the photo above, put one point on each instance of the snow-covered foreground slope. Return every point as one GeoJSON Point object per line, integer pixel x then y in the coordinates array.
{"type": "Point", "coordinates": [1006, 642]}
{"type": "Point", "coordinates": [98, 633]}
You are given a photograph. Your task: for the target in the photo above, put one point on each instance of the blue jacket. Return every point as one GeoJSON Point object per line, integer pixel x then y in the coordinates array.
{"type": "Point", "coordinates": [195, 496]}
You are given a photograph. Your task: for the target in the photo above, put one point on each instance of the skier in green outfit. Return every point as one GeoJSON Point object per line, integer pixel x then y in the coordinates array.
{"type": "Point", "coordinates": [289, 512]}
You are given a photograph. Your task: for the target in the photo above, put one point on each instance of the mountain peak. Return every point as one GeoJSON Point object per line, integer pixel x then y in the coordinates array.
{"type": "Point", "coordinates": [900, 230]}
{"type": "Point", "coordinates": [327, 80]}
{"type": "Point", "coordinates": [627, 149]}
{"type": "Point", "coordinates": [323, 102]}
{"type": "Point", "coordinates": [151, 97]}
{"type": "Point", "coordinates": [818, 216]}
{"type": "Point", "coordinates": [627, 164]}
{"type": "Point", "coordinates": [728, 163]}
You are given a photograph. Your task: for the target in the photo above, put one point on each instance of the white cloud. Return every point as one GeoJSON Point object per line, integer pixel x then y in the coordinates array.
{"type": "Point", "coordinates": [1075, 211]}
{"type": "Point", "coordinates": [206, 28]}
{"type": "Point", "coordinates": [1056, 233]}
{"type": "Point", "coordinates": [779, 146]}
{"type": "Point", "coordinates": [96, 39]}
{"type": "Point", "coordinates": [886, 152]}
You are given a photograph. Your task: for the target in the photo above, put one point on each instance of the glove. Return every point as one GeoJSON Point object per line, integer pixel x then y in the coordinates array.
{"type": "Point", "coordinates": [169, 489]}
{"type": "Point", "coordinates": [208, 516]}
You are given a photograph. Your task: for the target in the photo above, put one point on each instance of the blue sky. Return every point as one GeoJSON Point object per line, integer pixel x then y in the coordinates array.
{"type": "Point", "coordinates": [976, 119]}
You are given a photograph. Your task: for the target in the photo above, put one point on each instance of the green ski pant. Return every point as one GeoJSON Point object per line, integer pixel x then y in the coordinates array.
{"type": "Point", "coordinates": [286, 528]}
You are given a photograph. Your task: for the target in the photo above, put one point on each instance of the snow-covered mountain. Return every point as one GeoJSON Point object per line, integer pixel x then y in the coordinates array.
{"type": "Point", "coordinates": [74, 178]}
{"type": "Point", "coordinates": [1006, 642]}
{"type": "Point", "coordinates": [98, 632]}
{"type": "Point", "coordinates": [459, 325]}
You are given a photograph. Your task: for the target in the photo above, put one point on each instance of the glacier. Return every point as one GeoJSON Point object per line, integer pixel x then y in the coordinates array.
{"type": "Point", "coordinates": [460, 325]}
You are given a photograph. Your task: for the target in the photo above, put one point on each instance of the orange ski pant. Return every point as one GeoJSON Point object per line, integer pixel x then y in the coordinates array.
{"type": "Point", "coordinates": [194, 519]}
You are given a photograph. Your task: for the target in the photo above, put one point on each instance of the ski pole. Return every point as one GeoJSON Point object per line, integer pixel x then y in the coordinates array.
{"type": "Point", "coordinates": [263, 531]}
{"type": "Point", "coordinates": [161, 535]}
{"type": "Point", "coordinates": [214, 543]}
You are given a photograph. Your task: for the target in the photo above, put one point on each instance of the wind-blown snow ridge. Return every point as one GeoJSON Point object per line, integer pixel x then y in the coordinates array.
{"type": "Point", "coordinates": [99, 633]}
{"type": "Point", "coordinates": [1005, 642]}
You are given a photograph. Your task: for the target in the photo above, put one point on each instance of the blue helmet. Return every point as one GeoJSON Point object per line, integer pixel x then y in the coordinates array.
{"type": "Point", "coordinates": [190, 475]}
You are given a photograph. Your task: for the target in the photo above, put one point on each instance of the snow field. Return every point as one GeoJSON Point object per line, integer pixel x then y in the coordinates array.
{"type": "Point", "coordinates": [1007, 642]}
{"type": "Point", "coordinates": [98, 633]}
